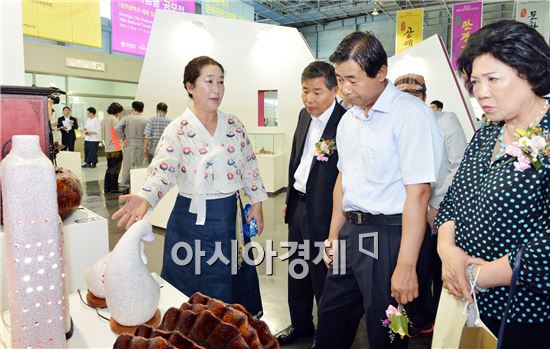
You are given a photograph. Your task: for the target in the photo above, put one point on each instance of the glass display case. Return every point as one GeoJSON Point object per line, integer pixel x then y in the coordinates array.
{"type": "Point", "coordinates": [267, 143]}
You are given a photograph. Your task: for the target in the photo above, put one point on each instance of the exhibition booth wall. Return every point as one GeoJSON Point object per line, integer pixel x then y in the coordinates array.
{"type": "Point", "coordinates": [11, 48]}
{"type": "Point", "coordinates": [256, 57]}
{"type": "Point", "coordinates": [429, 59]}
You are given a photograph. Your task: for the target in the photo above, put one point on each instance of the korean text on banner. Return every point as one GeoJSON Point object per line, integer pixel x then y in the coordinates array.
{"type": "Point", "coordinates": [132, 21]}
{"type": "Point", "coordinates": [536, 14]}
{"type": "Point", "coordinates": [467, 19]}
{"type": "Point", "coordinates": [72, 21]}
{"type": "Point", "coordinates": [409, 29]}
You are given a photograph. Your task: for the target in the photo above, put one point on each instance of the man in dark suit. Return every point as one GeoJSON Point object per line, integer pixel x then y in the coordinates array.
{"type": "Point", "coordinates": [311, 177]}
{"type": "Point", "coordinates": [67, 124]}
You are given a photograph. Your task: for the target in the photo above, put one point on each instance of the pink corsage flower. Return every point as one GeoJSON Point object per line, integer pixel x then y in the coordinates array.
{"type": "Point", "coordinates": [186, 150]}
{"type": "Point", "coordinates": [532, 145]}
{"type": "Point", "coordinates": [397, 322]}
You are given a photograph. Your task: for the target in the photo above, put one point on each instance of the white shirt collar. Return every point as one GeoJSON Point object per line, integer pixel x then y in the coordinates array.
{"type": "Point", "coordinates": [325, 116]}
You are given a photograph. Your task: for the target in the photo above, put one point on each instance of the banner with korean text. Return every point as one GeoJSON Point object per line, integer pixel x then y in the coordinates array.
{"type": "Point", "coordinates": [467, 19]}
{"type": "Point", "coordinates": [132, 21]}
{"type": "Point", "coordinates": [72, 21]}
{"type": "Point", "coordinates": [536, 14]}
{"type": "Point", "coordinates": [409, 29]}
{"type": "Point", "coordinates": [234, 9]}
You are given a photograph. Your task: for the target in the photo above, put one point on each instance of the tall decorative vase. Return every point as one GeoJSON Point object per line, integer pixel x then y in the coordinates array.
{"type": "Point", "coordinates": [34, 248]}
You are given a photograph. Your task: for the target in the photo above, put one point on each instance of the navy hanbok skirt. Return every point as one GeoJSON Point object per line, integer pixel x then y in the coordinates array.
{"type": "Point", "coordinates": [214, 279]}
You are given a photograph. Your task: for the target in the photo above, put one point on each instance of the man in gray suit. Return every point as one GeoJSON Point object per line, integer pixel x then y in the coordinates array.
{"type": "Point", "coordinates": [455, 145]}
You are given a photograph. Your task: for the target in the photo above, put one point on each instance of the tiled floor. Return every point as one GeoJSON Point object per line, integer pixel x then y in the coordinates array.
{"type": "Point", "coordinates": [273, 287]}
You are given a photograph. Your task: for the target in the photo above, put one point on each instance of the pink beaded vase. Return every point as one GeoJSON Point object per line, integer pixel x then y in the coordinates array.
{"type": "Point", "coordinates": [34, 247]}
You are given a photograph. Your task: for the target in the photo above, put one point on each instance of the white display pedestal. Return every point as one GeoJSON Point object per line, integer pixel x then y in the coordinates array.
{"type": "Point", "coordinates": [273, 171]}
{"type": "Point", "coordinates": [161, 213]}
{"type": "Point", "coordinates": [86, 240]}
{"type": "Point", "coordinates": [70, 160]}
{"type": "Point", "coordinates": [91, 331]}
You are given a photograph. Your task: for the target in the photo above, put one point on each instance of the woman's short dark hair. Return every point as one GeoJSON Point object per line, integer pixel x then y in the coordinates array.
{"type": "Point", "coordinates": [194, 67]}
{"type": "Point", "coordinates": [162, 107]}
{"type": "Point", "coordinates": [515, 44]}
{"type": "Point", "coordinates": [364, 49]}
{"type": "Point", "coordinates": [114, 108]}
{"type": "Point", "coordinates": [138, 106]}
{"type": "Point", "coordinates": [91, 110]}
{"type": "Point", "coordinates": [320, 69]}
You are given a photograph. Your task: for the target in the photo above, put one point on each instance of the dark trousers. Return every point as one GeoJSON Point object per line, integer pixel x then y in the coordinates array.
{"type": "Point", "coordinates": [68, 141]}
{"type": "Point", "coordinates": [150, 158]}
{"type": "Point", "coordinates": [90, 152]}
{"type": "Point", "coordinates": [114, 163]}
{"type": "Point", "coordinates": [301, 291]}
{"type": "Point", "coordinates": [364, 288]}
{"type": "Point", "coordinates": [517, 335]}
{"type": "Point", "coordinates": [429, 299]}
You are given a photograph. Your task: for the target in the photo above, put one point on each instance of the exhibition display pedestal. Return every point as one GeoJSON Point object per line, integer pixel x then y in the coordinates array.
{"type": "Point", "coordinates": [92, 331]}
{"type": "Point", "coordinates": [273, 171]}
{"type": "Point", "coordinates": [86, 240]}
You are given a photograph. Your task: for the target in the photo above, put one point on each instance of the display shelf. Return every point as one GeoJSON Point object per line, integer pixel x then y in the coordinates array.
{"type": "Point", "coordinates": [92, 331]}
{"type": "Point", "coordinates": [267, 143]}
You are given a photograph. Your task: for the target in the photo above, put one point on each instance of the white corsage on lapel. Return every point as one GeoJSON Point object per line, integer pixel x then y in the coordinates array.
{"type": "Point", "coordinates": [324, 149]}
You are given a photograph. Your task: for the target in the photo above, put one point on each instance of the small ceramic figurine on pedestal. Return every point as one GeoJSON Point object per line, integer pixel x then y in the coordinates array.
{"type": "Point", "coordinates": [132, 293]}
{"type": "Point", "coordinates": [34, 249]}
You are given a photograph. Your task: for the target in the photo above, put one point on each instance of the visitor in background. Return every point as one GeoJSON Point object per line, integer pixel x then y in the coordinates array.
{"type": "Point", "coordinates": [153, 130]}
{"type": "Point", "coordinates": [113, 148]}
{"type": "Point", "coordinates": [130, 131]}
{"type": "Point", "coordinates": [92, 137]}
{"type": "Point", "coordinates": [67, 124]}
{"type": "Point", "coordinates": [436, 105]}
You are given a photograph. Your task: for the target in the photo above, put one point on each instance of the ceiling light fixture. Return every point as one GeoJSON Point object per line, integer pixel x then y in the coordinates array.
{"type": "Point", "coordinates": [375, 12]}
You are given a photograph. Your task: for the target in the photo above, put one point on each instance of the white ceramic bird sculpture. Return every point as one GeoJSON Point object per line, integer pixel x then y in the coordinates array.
{"type": "Point", "coordinates": [131, 291]}
{"type": "Point", "coordinates": [95, 277]}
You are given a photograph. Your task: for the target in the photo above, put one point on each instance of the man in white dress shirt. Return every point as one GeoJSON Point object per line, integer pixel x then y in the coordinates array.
{"type": "Point", "coordinates": [389, 148]}
{"type": "Point", "coordinates": [308, 205]}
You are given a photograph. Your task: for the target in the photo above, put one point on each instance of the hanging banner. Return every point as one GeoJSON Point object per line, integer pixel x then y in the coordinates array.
{"type": "Point", "coordinates": [536, 14]}
{"type": "Point", "coordinates": [132, 21]}
{"type": "Point", "coordinates": [409, 29]}
{"type": "Point", "coordinates": [233, 9]}
{"type": "Point", "coordinates": [467, 20]}
{"type": "Point", "coordinates": [72, 21]}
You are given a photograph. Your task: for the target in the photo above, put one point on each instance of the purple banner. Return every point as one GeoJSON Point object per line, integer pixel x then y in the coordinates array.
{"type": "Point", "coordinates": [132, 20]}
{"type": "Point", "coordinates": [466, 21]}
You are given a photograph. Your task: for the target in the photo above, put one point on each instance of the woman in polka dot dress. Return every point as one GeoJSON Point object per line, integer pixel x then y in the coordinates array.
{"type": "Point", "coordinates": [208, 155]}
{"type": "Point", "coordinates": [496, 205]}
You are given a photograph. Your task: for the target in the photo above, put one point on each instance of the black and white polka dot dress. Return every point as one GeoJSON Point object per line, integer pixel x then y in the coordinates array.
{"type": "Point", "coordinates": [497, 210]}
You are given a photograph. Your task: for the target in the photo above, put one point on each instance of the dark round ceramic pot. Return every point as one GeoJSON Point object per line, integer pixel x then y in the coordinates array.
{"type": "Point", "coordinates": [69, 192]}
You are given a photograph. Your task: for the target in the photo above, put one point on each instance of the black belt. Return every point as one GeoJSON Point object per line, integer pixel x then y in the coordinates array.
{"type": "Point", "coordinates": [357, 217]}
{"type": "Point", "coordinates": [300, 195]}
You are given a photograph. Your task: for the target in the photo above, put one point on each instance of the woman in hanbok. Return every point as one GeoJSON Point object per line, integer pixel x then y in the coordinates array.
{"type": "Point", "coordinates": [207, 153]}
